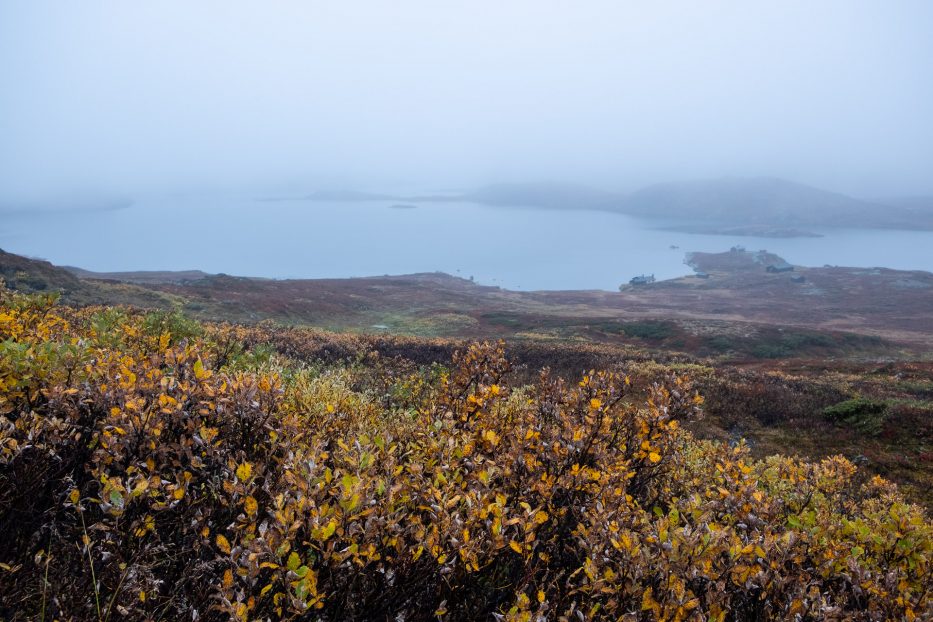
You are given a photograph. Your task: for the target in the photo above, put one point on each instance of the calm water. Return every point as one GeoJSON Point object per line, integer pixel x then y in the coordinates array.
{"type": "Point", "coordinates": [513, 248]}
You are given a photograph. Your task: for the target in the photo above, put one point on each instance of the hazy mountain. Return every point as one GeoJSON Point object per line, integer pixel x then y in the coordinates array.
{"type": "Point", "coordinates": [762, 201]}
{"type": "Point", "coordinates": [549, 195]}
{"type": "Point", "coordinates": [758, 206]}
{"type": "Point", "coordinates": [918, 205]}
{"type": "Point", "coordinates": [73, 203]}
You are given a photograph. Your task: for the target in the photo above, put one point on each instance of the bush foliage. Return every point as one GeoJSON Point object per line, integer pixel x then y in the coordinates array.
{"type": "Point", "coordinates": [151, 469]}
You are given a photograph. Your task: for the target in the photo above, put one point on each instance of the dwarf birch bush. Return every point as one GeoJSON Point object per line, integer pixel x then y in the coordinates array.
{"type": "Point", "coordinates": [146, 475]}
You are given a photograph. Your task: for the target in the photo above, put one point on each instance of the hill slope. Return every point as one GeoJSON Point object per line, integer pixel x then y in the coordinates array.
{"type": "Point", "coordinates": [739, 297]}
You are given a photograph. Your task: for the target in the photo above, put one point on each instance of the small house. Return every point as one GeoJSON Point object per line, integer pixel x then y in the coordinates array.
{"type": "Point", "coordinates": [780, 267]}
{"type": "Point", "coordinates": [798, 278]}
{"type": "Point", "coordinates": [701, 275]}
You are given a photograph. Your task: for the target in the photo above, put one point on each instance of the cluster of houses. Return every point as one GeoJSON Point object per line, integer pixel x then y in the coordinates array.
{"type": "Point", "coordinates": [775, 267]}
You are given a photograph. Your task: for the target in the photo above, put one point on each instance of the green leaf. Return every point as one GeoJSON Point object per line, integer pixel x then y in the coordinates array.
{"type": "Point", "coordinates": [116, 498]}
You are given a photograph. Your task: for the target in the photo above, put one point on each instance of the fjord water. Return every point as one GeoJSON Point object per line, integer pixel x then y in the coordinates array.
{"type": "Point", "coordinates": [511, 247]}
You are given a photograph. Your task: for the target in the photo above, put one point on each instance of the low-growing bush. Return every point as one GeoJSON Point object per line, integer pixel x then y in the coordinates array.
{"type": "Point", "coordinates": [649, 330]}
{"type": "Point", "coordinates": [863, 414]}
{"type": "Point", "coordinates": [853, 408]}
{"type": "Point", "coordinates": [152, 475]}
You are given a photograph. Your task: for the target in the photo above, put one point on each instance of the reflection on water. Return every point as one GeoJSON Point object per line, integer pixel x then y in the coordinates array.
{"type": "Point", "coordinates": [513, 248]}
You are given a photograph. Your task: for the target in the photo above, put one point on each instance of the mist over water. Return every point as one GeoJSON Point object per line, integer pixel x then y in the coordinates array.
{"type": "Point", "coordinates": [514, 248]}
{"type": "Point", "coordinates": [126, 98]}
{"type": "Point", "coordinates": [190, 110]}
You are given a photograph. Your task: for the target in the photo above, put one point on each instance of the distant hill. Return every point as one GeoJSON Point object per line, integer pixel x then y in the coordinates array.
{"type": "Point", "coordinates": [545, 195]}
{"type": "Point", "coordinates": [919, 205]}
{"type": "Point", "coordinates": [764, 201]}
{"type": "Point", "coordinates": [142, 277]}
{"type": "Point", "coordinates": [331, 195]}
{"type": "Point", "coordinates": [36, 275]}
{"type": "Point", "coordinates": [762, 206]}
{"type": "Point", "coordinates": [77, 286]}
{"type": "Point", "coordinates": [891, 304]}
{"type": "Point", "coordinates": [755, 206]}
{"type": "Point", "coordinates": [72, 204]}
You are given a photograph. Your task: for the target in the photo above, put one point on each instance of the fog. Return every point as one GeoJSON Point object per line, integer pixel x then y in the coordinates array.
{"type": "Point", "coordinates": [122, 98]}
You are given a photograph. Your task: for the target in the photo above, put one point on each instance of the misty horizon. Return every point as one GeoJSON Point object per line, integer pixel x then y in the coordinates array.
{"type": "Point", "coordinates": [111, 99]}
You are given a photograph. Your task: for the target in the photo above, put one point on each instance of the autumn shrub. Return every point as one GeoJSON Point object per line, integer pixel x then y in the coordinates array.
{"type": "Point", "coordinates": [149, 475]}
{"type": "Point", "coordinates": [770, 398]}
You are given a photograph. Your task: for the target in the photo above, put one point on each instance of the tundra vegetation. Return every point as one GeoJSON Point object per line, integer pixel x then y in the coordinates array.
{"type": "Point", "coordinates": [156, 468]}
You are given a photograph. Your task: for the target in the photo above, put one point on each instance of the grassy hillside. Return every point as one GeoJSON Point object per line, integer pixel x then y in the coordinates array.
{"type": "Point", "coordinates": [740, 313]}
{"type": "Point", "coordinates": [152, 467]}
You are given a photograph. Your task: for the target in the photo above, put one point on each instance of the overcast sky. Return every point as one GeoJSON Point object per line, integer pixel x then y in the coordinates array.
{"type": "Point", "coordinates": [124, 97]}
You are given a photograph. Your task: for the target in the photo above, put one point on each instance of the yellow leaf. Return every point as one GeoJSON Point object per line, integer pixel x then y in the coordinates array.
{"type": "Point", "coordinates": [328, 531]}
{"type": "Point", "coordinates": [141, 486]}
{"type": "Point", "coordinates": [228, 578]}
{"type": "Point", "coordinates": [223, 544]}
{"type": "Point", "coordinates": [199, 372]}
{"type": "Point", "coordinates": [515, 546]}
{"type": "Point", "coordinates": [654, 457]}
{"type": "Point", "coordinates": [244, 471]}
{"type": "Point", "coordinates": [251, 506]}
{"type": "Point", "coordinates": [74, 496]}
{"type": "Point", "coordinates": [178, 493]}
{"type": "Point", "coordinates": [207, 433]}
{"type": "Point", "coordinates": [595, 404]}
{"type": "Point", "coordinates": [647, 600]}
